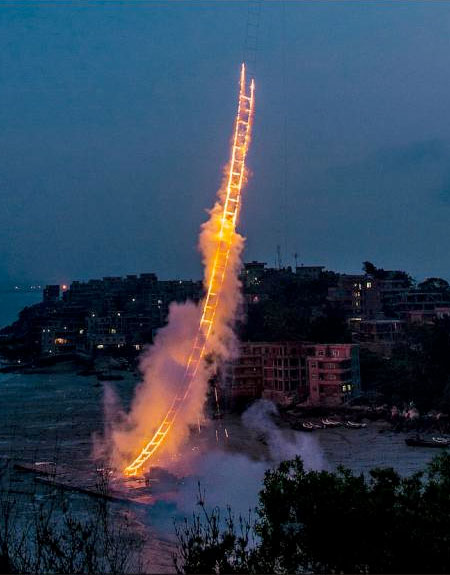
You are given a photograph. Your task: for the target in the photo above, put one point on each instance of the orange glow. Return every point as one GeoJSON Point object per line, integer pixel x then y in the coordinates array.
{"type": "Point", "coordinates": [64, 287]}
{"type": "Point", "coordinates": [216, 269]}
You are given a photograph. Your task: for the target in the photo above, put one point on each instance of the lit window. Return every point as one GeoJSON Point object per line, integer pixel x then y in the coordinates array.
{"type": "Point", "coordinates": [100, 346]}
{"type": "Point", "coordinates": [369, 285]}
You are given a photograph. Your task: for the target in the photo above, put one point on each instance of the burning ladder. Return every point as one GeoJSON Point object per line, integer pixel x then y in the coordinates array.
{"type": "Point", "coordinates": [230, 212]}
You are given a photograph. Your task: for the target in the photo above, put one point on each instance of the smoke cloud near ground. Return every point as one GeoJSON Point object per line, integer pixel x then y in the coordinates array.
{"type": "Point", "coordinates": [233, 478]}
{"type": "Point", "coordinates": [282, 445]}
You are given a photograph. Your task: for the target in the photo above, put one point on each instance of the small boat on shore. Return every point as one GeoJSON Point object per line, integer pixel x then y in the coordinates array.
{"type": "Point", "coordinates": [306, 426]}
{"type": "Point", "coordinates": [310, 426]}
{"type": "Point", "coordinates": [419, 441]}
{"type": "Point", "coordinates": [354, 425]}
{"type": "Point", "coordinates": [442, 440]}
{"type": "Point", "coordinates": [331, 423]}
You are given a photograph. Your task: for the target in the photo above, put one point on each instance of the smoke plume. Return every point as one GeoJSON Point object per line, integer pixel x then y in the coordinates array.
{"type": "Point", "coordinates": [187, 352]}
{"type": "Point", "coordinates": [163, 364]}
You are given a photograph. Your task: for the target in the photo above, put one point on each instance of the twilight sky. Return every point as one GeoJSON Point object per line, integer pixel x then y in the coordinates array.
{"type": "Point", "coordinates": [116, 117]}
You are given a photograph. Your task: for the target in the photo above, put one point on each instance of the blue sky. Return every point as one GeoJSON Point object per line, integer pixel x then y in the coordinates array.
{"type": "Point", "coordinates": [116, 117]}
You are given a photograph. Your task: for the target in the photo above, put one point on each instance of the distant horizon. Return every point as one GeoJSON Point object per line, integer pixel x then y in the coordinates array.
{"type": "Point", "coordinates": [30, 282]}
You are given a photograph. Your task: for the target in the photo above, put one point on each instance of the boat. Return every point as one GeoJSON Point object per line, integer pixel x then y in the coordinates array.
{"type": "Point", "coordinates": [418, 441]}
{"type": "Point", "coordinates": [313, 425]}
{"type": "Point", "coordinates": [307, 426]}
{"type": "Point", "coordinates": [354, 425]}
{"type": "Point", "coordinates": [441, 440]}
{"type": "Point", "coordinates": [331, 423]}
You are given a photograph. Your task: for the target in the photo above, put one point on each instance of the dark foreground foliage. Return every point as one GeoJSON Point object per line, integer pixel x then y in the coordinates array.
{"type": "Point", "coordinates": [322, 522]}
{"type": "Point", "coordinates": [48, 534]}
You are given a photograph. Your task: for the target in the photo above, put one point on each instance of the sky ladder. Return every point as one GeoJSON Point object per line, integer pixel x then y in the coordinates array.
{"type": "Point", "coordinates": [230, 210]}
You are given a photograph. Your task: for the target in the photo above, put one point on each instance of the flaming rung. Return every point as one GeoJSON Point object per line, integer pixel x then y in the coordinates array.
{"type": "Point", "coordinates": [235, 181]}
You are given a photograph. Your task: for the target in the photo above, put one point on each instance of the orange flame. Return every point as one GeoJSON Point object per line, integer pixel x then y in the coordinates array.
{"type": "Point", "coordinates": [215, 274]}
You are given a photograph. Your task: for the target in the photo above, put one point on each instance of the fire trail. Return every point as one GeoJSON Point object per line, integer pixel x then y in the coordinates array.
{"type": "Point", "coordinates": [235, 178]}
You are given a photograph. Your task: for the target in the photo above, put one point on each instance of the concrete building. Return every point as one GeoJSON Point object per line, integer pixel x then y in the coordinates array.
{"type": "Point", "coordinates": [368, 296]}
{"type": "Point", "coordinates": [378, 335]}
{"type": "Point", "coordinates": [346, 295]}
{"type": "Point", "coordinates": [252, 273]}
{"type": "Point", "coordinates": [50, 294]}
{"type": "Point", "coordinates": [333, 374]}
{"type": "Point", "coordinates": [392, 285]}
{"type": "Point", "coordinates": [111, 312]}
{"type": "Point", "coordinates": [419, 306]}
{"type": "Point", "coordinates": [442, 312]}
{"type": "Point", "coordinates": [295, 372]}
{"type": "Point", "coordinates": [309, 273]}
{"type": "Point", "coordinates": [63, 332]}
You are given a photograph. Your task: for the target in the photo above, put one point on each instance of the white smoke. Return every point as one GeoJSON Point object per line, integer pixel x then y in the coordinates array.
{"type": "Point", "coordinates": [282, 444]}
